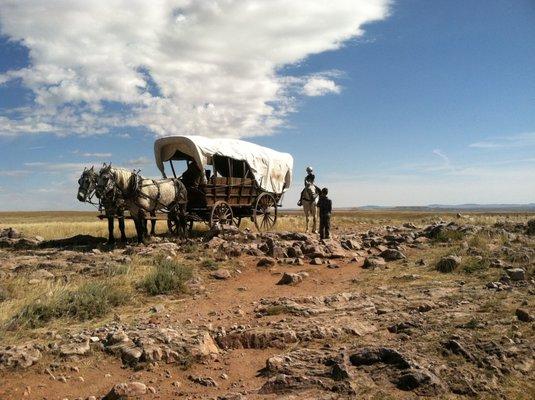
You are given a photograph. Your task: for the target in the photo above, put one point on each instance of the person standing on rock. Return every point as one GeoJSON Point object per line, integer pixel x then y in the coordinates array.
{"type": "Point", "coordinates": [325, 206]}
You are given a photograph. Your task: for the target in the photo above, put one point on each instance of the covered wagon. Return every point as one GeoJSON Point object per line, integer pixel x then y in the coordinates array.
{"type": "Point", "coordinates": [227, 179]}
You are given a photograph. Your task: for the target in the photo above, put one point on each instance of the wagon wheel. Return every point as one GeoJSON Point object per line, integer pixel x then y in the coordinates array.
{"type": "Point", "coordinates": [221, 214]}
{"type": "Point", "coordinates": [265, 212]}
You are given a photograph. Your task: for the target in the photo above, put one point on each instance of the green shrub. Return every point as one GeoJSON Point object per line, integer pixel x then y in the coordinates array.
{"type": "Point", "coordinates": [33, 315]}
{"type": "Point", "coordinates": [190, 248]}
{"type": "Point", "coordinates": [94, 299]}
{"type": "Point", "coordinates": [168, 276]}
{"type": "Point", "coordinates": [4, 294]}
{"type": "Point", "coordinates": [474, 265]}
{"type": "Point", "coordinates": [447, 236]}
{"type": "Point", "coordinates": [210, 264]}
{"type": "Point", "coordinates": [479, 241]}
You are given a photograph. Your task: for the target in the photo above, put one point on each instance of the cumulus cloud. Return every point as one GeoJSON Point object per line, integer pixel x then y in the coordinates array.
{"type": "Point", "coordinates": [173, 66]}
{"type": "Point", "coordinates": [320, 86]}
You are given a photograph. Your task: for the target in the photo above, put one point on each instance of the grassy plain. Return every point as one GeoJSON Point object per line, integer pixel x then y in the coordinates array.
{"type": "Point", "coordinates": [42, 303]}
{"type": "Point", "coordinates": [62, 224]}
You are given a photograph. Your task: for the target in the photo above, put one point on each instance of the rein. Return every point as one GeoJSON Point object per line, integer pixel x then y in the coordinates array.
{"type": "Point", "coordinates": [134, 190]}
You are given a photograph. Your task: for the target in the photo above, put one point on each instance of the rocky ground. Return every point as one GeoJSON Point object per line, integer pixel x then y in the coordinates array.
{"type": "Point", "coordinates": [441, 310]}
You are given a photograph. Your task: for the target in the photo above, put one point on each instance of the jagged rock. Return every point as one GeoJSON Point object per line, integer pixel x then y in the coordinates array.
{"type": "Point", "coordinates": [401, 327]}
{"type": "Point", "coordinates": [10, 233]}
{"type": "Point", "coordinates": [457, 348]}
{"type": "Point", "coordinates": [126, 391]}
{"type": "Point", "coordinates": [297, 236]}
{"type": "Point", "coordinates": [392, 255]}
{"type": "Point", "coordinates": [204, 381]}
{"type": "Point", "coordinates": [75, 349]}
{"type": "Point", "coordinates": [373, 262]}
{"type": "Point", "coordinates": [334, 249]}
{"type": "Point", "coordinates": [516, 274]}
{"type": "Point", "coordinates": [370, 355]}
{"type": "Point", "coordinates": [266, 262]}
{"type": "Point", "coordinates": [350, 244]}
{"type": "Point", "coordinates": [289, 278]}
{"type": "Point", "coordinates": [316, 261]}
{"type": "Point", "coordinates": [339, 372]}
{"type": "Point", "coordinates": [530, 227]}
{"type": "Point", "coordinates": [448, 264]}
{"type": "Point", "coordinates": [117, 337]}
{"type": "Point", "coordinates": [259, 338]}
{"type": "Point", "coordinates": [523, 315]}
{"type": "Point", "coordinates": [152, 353]}
{"type": "Point", "coordinates": [131, 354]}
{"type": "Point", "coordinates": [274, 249]}
{"type": "Point", "coordinates": [294, 252]}
{"type": "Point", "coordinates": [412, 380]}
{"type": "Point", "coordinates": [19, 356]}
{"type": "Point", "coordinates": [313, 251]}
{"type": "Point", "coordinates": [221, 274]}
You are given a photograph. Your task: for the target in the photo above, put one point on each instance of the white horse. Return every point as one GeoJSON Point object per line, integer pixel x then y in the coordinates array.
{"type": "Point", "coordinates": [146, 196]}
{"type": "Point", "coordinates": [309, 200]}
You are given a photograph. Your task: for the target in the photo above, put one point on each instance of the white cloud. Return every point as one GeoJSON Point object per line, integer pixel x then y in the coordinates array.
{"type": "Point", "coordinates": [97, 155]}
{"type": "Point", "coordinates": [520, 140]}
{"type": "Point", "coordinates": [172, 66]}
{"type": "Point", "coordinates": [443, 156]}
{"type": "Point", "coordinates": [13, 173]}
{"type": "Point", "coordinates": [317, 86]}
{"type": "Point", "coordinates": [139, 161]}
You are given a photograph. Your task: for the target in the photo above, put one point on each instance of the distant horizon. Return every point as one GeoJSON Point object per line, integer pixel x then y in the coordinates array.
{"type": "Point", "coordinates": [528, 207]}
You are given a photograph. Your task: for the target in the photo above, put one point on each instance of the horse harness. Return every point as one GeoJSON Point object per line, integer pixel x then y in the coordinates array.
{"type": "Point", "coordinates": [135, 187]}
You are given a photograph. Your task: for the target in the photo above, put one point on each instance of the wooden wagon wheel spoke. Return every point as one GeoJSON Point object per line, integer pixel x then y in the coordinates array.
{"type": "Point", "coordinates": [265, 212]}
{"type": "Point", "coordinates": [221, 214]}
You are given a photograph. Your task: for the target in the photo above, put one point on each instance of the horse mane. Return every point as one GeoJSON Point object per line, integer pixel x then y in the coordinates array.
{"type": "Point", "coordinates": [122, 176]}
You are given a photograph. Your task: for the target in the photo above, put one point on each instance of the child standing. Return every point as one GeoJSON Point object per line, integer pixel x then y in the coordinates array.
{"type": "Point", "coordinates": [325, 206]}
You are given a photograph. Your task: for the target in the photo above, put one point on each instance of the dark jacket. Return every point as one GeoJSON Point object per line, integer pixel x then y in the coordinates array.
{"type": "Point", "coordinates": [309, 178]}
{"type": "Point", "coordinates": [325, 205]}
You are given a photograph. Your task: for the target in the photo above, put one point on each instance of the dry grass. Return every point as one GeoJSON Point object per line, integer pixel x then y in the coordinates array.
{"type": "Point", "coordinates": [56, 225]}
{"type": "Point", "coordinates": [61, 304]}
{"type": "Point", "coordinates": [17, 294]}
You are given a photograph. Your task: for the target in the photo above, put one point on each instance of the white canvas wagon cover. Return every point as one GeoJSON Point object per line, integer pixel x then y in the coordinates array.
{"type": "Point", "coordinates": [272, 169]}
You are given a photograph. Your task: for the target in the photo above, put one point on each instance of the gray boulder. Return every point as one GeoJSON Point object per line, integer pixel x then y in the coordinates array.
{"type": "Point", "coordinates": [392, 255]}
{"type": "Point", "coordinates": [374, 262]}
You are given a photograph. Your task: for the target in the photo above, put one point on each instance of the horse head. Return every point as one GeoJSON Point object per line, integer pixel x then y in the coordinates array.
{"type": "Point", "coordinates": [87, 184]}
{"type": "Point", "coordinates": [106, 181]}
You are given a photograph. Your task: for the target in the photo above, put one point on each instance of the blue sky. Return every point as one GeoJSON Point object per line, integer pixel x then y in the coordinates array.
{"type": "Point", "coordinates": [394, 103]}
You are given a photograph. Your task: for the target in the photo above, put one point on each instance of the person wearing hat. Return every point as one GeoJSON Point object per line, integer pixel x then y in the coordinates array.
{"type": "Point", "coordinates": [309, 180]}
